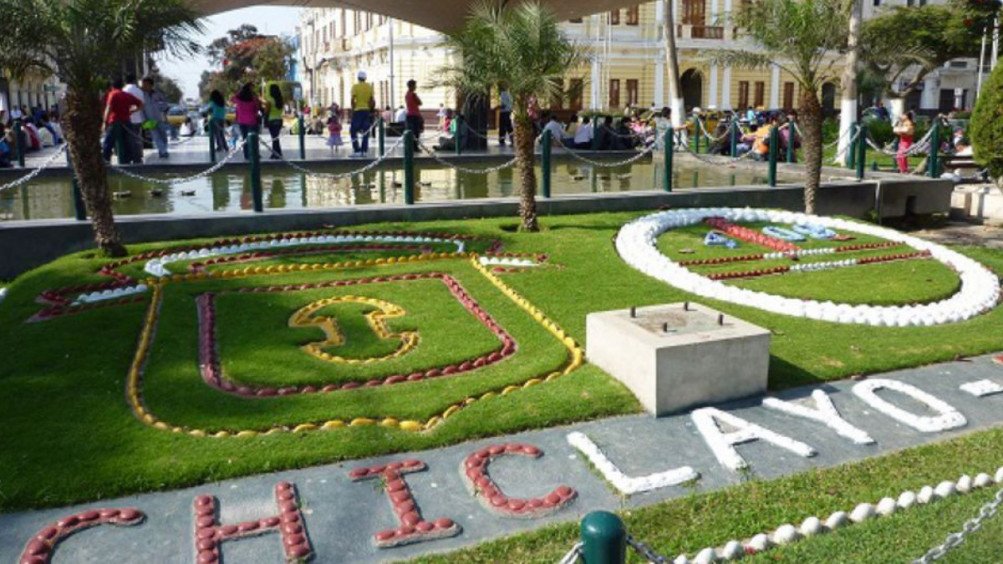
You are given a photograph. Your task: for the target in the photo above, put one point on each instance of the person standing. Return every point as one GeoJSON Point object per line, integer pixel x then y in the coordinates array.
{"type": "Point", "coordinates": [134, 129]}
{"type": "Point", "coordinates": [248, 117]}
{"type": "Point", "coordinates": [274, 107]}
{"type": "Point", "coordinates": [504, 114]}
{"type": "Point", "coordinates": [905, 128]}
{"type": "Point", "coordinates": [154, 112]}
{"type": "Point", "coordinates": [363, 105]}
{"type": "Point", "coordinates": [217, 115]}
{"type": "Point", "coordinates": [119, 106]}
{"type": "Point", "coordinates": [414, 122]}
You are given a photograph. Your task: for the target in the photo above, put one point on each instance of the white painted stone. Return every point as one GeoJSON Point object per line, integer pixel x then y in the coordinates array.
{"type": "Point", "coordinates": [944, 489]}
{"type": "Point", "coordinates": [723, 444]}
{"type": "Point", "coordinates": [732, 550]}
{"type": "Point", "coordinates": [626, 484]}
{"type": "Point", "coordinates": [824, 412]}
{"type": "Point", "coordinates": [906, 500]}
{"type": "Point", "coordinates": [810, 526]}
{"type": "Point", "coordinates": [836, 520]}
{"type": "Point", "coordinates": [885, 507]}
{"type": "Point", "coordinates": [681, 559]}
{"type": "Point", "coordinates": [964, 484]}
{"type": "Point", "coordinates": [982, 388]}
{"type": "Point", "coordinates": [862, 512]}
{"type": "Point", "coordinates": [999, 475]}
{"type": "Point", "coordinates": [925, 495]}
{"type": "Point", "coordinates": [759, 542]}
{"type": "Point", "coordinates": [697, 363]}
{"type": "Point", "coordinates": [785, 534]}
{"type": "Point", "coordinates": [983, 480]}
{"type": "Point", "coordinates": [947, 418]}
{"type": "Point", "coordinates": [705, 556]}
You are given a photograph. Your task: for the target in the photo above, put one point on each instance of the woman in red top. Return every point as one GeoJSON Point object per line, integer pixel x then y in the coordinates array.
{"type": "Point", "coordinates": [415, 123]}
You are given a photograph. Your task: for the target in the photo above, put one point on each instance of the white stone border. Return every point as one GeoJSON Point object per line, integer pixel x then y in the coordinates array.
{"type": "Point", "coordinates": [787, 533]}
{"type": "Point", "coordinates": [979, 287]}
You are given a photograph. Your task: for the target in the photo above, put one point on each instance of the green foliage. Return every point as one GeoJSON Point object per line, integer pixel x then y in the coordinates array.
{"type": "Point", "coordinates": [244, 55]}
{"type": "Point", "coordinates": [986, 130]}
{"type": "Point", "coordinates": [880, 131]}
{"type": "Point", "coordinates": [830, 130]}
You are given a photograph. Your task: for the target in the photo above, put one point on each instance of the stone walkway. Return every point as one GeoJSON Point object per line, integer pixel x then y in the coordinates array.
{"type": "Point", "coordinates": [957, 233]}
{"type": "Point", "coordinates": [345, 511]}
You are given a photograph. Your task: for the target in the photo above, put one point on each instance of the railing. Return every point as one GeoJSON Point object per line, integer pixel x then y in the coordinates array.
{"type": "Point", "coordinates": [688, 31]}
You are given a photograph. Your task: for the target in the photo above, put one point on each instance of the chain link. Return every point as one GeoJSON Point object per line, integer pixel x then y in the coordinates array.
{"type": "Point", "coordinates": [572, 555]}
{"type": "Point", "coordinates": [442, 161]}
{"type": "Point", "coordinates": [330, 175]}
{"type": "Point", "coordinates": [640, 155]}
{"type": "Point", "coordinates": [646, 551]}
{"type": "Point", "coordinates": [31, 175]}
{"type": "Point", "coordinates": [173, 181]}
{"type": "Point", "coordinates": [986, 512]}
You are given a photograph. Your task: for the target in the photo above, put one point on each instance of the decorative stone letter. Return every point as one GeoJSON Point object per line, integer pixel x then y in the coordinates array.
{"type": "Point", "coordinates": [948, 418]}
{"type": "Point", "coordinates": [209, 534]}
{"type": "Point", "coordinates": [825, 413]}
{"type": "Point", "coordinates": [413, 528]}
{"type": "Point", "coordinates": [475, 476]}
{"type": "Point", "coordinates": [40, 548]}
{"type": "Point", "coordinates": [628, 484]}
{"type": "Point", "coordinates": [723, 444]}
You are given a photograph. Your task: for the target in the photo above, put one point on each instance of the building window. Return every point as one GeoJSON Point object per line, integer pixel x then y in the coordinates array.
{"type": "Point", "coordinates": [694, 13]}
{"type": "Point", "coordinates": [614, 17]}
{"type": "Point", "coordinates": [633, 15]}
{"type": "Point", "coordinates": [743, 94]}
{"type": "Point", "coordinates": [760, 98]}
{"type": "Point", "coordinates": [576, 20]}
{"type": "Point", "coordinates": [614, 93]}
{"type": "Point", "coordinates": [632, 92]}
{"type": "Point", "coordinates": [557, 97]}
{"type": "Point", "coordinates": [575, 94]}
{"type": "Point", "coordinates": [788, 96]}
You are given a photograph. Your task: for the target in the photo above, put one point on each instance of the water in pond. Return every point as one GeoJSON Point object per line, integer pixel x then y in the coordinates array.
{"type": "Point", "coordinates": [50, 197]}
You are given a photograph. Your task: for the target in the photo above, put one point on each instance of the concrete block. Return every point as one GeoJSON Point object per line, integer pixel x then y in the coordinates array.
{"type": "Point", "coordinates": [677, 356]}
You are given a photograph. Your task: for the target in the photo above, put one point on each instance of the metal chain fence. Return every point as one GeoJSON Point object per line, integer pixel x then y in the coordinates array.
{"type": "Point", "coordinates": [182, 180]}
{"type": "Point", "coordinates": [31, 175]}
{"type": "Point", "coordinates": [988, 511]}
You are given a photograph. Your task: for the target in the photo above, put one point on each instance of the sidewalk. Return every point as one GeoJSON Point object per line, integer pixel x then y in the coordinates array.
{"type": "Point", "coordinates": [341, 516]}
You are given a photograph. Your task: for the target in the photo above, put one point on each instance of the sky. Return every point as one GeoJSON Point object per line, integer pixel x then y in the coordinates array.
{"type": "Point", "coordinates": [269, 21]}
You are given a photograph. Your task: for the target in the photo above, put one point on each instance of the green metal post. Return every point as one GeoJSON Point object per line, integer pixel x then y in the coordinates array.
{"type": "Point", "coordinates": [256, 192]}
{"type": "Point", "coordinates": [117, 130]}
{"type": "Point", "coordinates": [19, 139]}
{"type": "Point", "coordinates": [458, 136]}
{"type": "Point", "coordinates": [302, 132]}
{"type": "Point", "coordinates": [851, 156]}
{"type": "Point", "coordinates": [667, 173]}
{"type": "Point", "coordinates": [697, 131]}
{"type": "Point", "coordinates": [79, 210]}
{"type": "Point", "coordinates": [771, 172]}
{"type": "Point", "coordinates": [734, 137]}
{"type": "Point", "coordinates": [212, 140]}
{"type": "Point", "coordinates": [408, 167]}
{"type": "Point", "coordinates": [546, 147]}
{"type": "Point", "coordinates": [791, 135]}
{"type": "Point", "coordinates": [604, 539]}
{"type": "Point", "coordinates": [932, 165]}
{"type": "Point", "coordinates": [861, 152]}
{"type": "Point", "coordinates": [382, 136]}
{"type": "Point", "coordinates": [874, 166]}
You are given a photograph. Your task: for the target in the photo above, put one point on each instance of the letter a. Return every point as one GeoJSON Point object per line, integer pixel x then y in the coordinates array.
{"type": "Point", "coordinates": [723, 444]}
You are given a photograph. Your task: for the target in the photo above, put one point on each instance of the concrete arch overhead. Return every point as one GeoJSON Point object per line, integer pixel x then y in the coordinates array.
{"type": "Point", "coordinates": [440, 15]}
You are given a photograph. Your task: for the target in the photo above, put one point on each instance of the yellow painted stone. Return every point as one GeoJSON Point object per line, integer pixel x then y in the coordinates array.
{"type": "Point", "coordinates": [449, 412]}
{"type": "Point", "coordinates": [222, 435]}
{"type": "Point", "coordinates": [488, 395]}
{"type": "Point", "coordinates": [197, 433]}
{"type": "Point", "coordinates": [274, 431]}
{"type": "Point", "coordinates": [304, 428]}
{"type": "Point", "coordinates": [411, 425]}
{"type": "Point", "coordinates": [161, 425]}
{"type": "Point", "coordinates": [149, 419]}
{"type": "Point", "coordinates": [247, 434]}
{"type": "Point", "coordinates": [333, 424]}
{"type": "Point", "coordinates": [389, 422]}
{"type": "Point", "coordinates": [553, 376]}
{"type": "Point", "coordinates": [362, 421]}
{"type": "Point", "coordinates": [177, 430]}
{"type": "Point", "coordinates": [532, 382]}
{"type": "Point", "coordinates": [509, 390]}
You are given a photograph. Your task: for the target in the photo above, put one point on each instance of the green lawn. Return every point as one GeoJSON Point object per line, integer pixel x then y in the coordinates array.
{"type": "Point", "coordinates": [70, 436]}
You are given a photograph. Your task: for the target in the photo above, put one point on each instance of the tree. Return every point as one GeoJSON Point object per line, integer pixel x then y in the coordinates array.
{"type": "Point", "coordinates": [672, 64]}
{"type": "Point", "coordinates": [523, 47]}
{"type": "Point", "coordinates": [848, 83]}
{"type": "Point", "coordinates": [74, 40]}
{"type": "Point", "coordinates": [986, 130]}
{"type": "Point", "coordinates": [804, 38]}
{"type": "Point", "coordinates": [244, 55]}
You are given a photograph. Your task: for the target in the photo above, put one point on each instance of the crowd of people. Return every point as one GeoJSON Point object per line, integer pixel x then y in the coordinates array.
{"type": "Point", "coordinates": [39, 128]}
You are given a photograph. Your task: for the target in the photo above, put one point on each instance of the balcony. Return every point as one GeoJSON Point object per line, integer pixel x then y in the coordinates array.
{"type": "Point", "coordinates": [687, 31]}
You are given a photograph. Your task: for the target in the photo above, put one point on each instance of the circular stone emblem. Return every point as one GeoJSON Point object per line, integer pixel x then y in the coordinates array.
{"type": "Point", "coordinates": [979, 290]}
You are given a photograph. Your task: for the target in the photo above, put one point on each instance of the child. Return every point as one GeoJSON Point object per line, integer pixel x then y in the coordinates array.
{"type": "Point", "coordinates": [334, 132]}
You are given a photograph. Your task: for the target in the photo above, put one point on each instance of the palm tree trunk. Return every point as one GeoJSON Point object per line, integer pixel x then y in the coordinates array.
{"type": "Point", "coordinates": [81, 123]}
{"type": "Point", "coordinates": [672, 64]}
{"type": "Point", "coordinates": [525, 160]}
{"type": "Point", "coordinates": [811, 123]}
{"type": "Point", "coordinates": [848, 84]}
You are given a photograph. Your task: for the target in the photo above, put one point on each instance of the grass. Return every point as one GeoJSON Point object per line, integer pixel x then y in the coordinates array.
{"type": "Point", "coordinates": [69, 435]}
{"type": "Point", "coordinates": [699, 520]}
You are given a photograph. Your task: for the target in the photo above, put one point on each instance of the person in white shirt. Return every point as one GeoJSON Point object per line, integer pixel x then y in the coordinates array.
{"type": "Point", "coordinates": [134, 133]}
{"type": "Point", "coordinates": [583, 135]}
{"type": "Point", "coordinates": [401, 115]}
{"type": "Point", "coordinates": [555, 128]}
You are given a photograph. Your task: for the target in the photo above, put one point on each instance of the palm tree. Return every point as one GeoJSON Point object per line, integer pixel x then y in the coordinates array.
{"type": "Point", "coordinates": [79, 41]}
{"type": "Point", "coordinates": [523, 47]}
{"type": "Point", "coordinates": [848, 83]}
{"type": "Point", "coordinates": [804, 38]}
{"type": "Point", "coordinates": [672, 63]}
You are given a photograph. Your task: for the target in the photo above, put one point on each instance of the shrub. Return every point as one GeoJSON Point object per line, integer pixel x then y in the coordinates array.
{"type": "Point", "coordinates": [986, 128]}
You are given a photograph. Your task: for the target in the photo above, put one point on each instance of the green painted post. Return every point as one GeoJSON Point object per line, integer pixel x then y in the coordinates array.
{"type": "Point", "coordinates": [595, 132]}
{"type": "Point", "coordinates": [604, 539]}
{"type": "Point", "coordinates": [771, 172]}
{"type": "Point", "coordinates": [698, 131]}
{"type": "Point", "coordinates": [212, 140]}
{"type": "Point", "coordinates": [408, 167]}
{"type": "Point", "coordinates": [256, 192]}
{"type": "Point", "coordinates": [851, 156]}
{"type": "Point", "coordinates": [667, 173]}
{"type": "Point", "coordinates": [302, 136]}
{"type": "Point", "coordinates": [19, 139]}
{"type": "Point", "coordinates": [546, 147]}
{"type": "Point", "coordinates": [874, 166]}
{"type": "Point", "coordinates": [791, 135]}
{"type": "Point", "coordinates": [931, 164]}
{"type": "Point", "coordinates": [861, 152]}
{"type": "Point", "coordinates": [79, 210]}
{"type": "Point", "coordinates": [382, 136]}
{"type": "Point", "coordinates": [458, 136]}
{"type": "Point", "coordinates": [734, 137]}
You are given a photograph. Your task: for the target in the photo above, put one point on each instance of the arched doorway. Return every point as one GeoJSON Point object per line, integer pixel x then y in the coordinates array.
{"type": "Point", "coordinates": [691, 85]}
{"type": "Point", "coordinates": [828, 99]}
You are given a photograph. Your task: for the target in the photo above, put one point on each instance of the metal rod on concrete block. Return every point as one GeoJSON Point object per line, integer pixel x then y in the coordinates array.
{"type": "Point", "coordinates": [382, 138]}
{"type": "Point", "coordinates": [932, 164]}
{"type": "Point", "coordinates": [667, 173]}
{"type": "Point", "coordinates": [733, 131]}
{"type": "Point", "coordinates": [862, 152]}
{"type": "Point", "coordinates": [547, 144]}
{"type": "Point", "coordinates": [302, 135]}
{"type": "Point", "coordinates": [771, 172]}
{"type": "Point", "coordinates": [604, 539]}
{"type": "Point", "coordinates": [256, 192]}
{"type": "Point", "coordinates": [409, 167]}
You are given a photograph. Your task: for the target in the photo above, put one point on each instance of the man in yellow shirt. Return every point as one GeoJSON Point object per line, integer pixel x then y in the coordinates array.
{"type": "Point", "coordinates": [363, 104]}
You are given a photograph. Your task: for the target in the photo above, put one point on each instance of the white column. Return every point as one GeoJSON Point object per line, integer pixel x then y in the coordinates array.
{"type": "Point", "coordinates": [726, 89]}
{"type": "Point", "coordinates": [660, 60]}
{"type": "Point", "coordinates": [713, 13]}
{"type": "Point", "coordinates": [596, 86]}
{"type": "Point", "coordinates": [774, 87]}
{"type": "Point", "coordinates": [712, 99]}
{"type": "Point", "coordinates": [930, 98]}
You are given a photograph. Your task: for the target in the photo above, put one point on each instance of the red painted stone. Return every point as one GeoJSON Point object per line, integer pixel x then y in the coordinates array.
{"type": "Point", "coordinates": [443, 523]}
{"type": "Point", "coordinates": [228, 530]}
